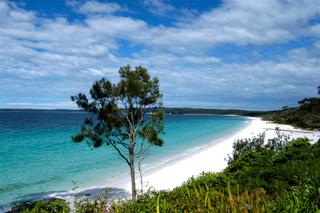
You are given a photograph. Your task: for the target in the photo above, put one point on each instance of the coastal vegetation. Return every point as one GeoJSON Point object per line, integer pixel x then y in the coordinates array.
{"type": "Point", "coordinates": [306, 115]}
{"type": "Point", "coordinates": [117, 116]}
{"type": "Point", "coordinates": [52, 205]}
{"type": "Point", "coordinates": [280, 175]}
{"type": "Point", "coordinates": [274, 175]}
{"type": "Point", "coordinates": [214, 111]}
{"type": "Point", "coordinates": [277, 176]}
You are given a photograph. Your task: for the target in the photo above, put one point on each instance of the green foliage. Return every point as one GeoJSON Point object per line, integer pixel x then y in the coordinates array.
{"type": "Point", "coordinates": [118, 115]}
{"type": "Point", "coordinates": [194, 197]}
{"type": "Point", "coordinates": [274, 169]}
{"type": "Point", "coordinates": [118, 111]}
{"type": "Point", "coordinates": [304, 198]}
{"type": "Point", "coordinates": [241, 146]}
{"type": "Point", "coordinates": [117, 108]}
{"type": "Point", "coordinates": [53, 205]}
{"type": "Point", "coordinates": [214, 111]}
{"type": "Point", "coordinates": [259, 178]}
{"type": "Point", "coordinates": [306, 115]}
{"type": "Point", "coordinates": [97, 206]}
{"type": "Point", "coordinates": [277, 176]}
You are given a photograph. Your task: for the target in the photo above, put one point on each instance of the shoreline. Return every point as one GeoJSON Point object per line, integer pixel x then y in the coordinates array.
{"type": "Point", "coordinates": [192, 151]}
{"type": "Point", "coordinates": [125, 183]}
{"type": "Point", "coordinates": [155, 174]}
{"type": "Point", "coordinates": [176, 172]}
{"type": "Point", "coordinates": [210, 157]}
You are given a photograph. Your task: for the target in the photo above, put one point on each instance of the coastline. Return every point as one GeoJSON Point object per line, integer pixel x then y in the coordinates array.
{"type": "Point", "coordinates": [167, 175]}
{"type": "Point", "coordinates": [213, 157]}
{"type": "Point", "coordinates": [205, 132]}
{"type": "Point", "coordinates": [151, 175]}
{"type": "Point", "coordinates": [206, 158]}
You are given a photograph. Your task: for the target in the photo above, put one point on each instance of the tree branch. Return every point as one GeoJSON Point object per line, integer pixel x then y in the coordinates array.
{"type": "Point", "coordinates": [120, 153]}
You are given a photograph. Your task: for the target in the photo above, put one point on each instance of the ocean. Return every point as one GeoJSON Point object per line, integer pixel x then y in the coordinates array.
{"type": "Point", "coordinates": [38, 157]}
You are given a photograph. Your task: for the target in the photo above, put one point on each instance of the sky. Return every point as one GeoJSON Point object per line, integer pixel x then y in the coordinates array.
{"type": "Point", "coordinates": [229, 54]}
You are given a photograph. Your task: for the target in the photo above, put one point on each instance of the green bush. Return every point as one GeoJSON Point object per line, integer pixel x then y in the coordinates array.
{"type": "Point", "coordinates": [306, 115]}
{"type": "Point", "coordinates": [277, 176]}
{"type": "Point", "coordinates": [304, 198]}
{"type": "Point", "coordinates": [51, 205]}
{"type": "Point", "coordinates": [97, 206]}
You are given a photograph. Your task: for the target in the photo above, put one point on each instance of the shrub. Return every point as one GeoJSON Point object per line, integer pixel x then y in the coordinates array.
{"type": "Point", "coordinates": [259, 178]}
{"type": "Point", "coordinates": [51, 205]}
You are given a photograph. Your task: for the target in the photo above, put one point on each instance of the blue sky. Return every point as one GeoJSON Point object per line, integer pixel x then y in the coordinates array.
{"type": "Point", "coordinates": [243, 54]}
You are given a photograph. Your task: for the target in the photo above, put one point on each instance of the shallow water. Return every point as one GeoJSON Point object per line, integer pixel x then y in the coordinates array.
{"type": "Point", "coordinates": [38, 158]}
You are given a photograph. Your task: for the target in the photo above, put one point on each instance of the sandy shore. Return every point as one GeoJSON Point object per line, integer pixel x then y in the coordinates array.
{"type": "Point", "coordinates": [213, 158]}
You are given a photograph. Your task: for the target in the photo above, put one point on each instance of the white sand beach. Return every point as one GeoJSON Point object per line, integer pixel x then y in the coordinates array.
{"type": "Point", "coordinates": [174, 173]}
{"type": "Point", "coordinates": [213, 158]}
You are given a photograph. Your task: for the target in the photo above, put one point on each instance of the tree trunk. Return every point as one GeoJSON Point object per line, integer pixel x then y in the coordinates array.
{"type": "Point", "coordinates": [132, 174]}
{"type": "Point", "coordinates": [141, 178]}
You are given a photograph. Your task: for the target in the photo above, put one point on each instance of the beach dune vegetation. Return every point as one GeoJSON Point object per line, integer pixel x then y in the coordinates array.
{"type": "Point", "coordinates": [258, 178]}
{"type": "Point", "coordinates": [306, 115]}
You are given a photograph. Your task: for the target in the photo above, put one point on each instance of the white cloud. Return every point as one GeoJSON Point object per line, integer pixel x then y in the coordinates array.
{"type": "Point", "coordinates": [97, 7]}
{"type": "Point", "coordinates": [316, 29]}
{"type": "Point", "coordinates": [47, 105]}
{"type": "Point", "coordinates": [158, 7]}
{"type": "Point", "coordinates": [200, 60]}
{"type": "Point", "coordinates": [56, 56]}
{"type": "Point", "coordinates": [236, 22]}
{"type": "Point", "coordinates": [94, 7]}
{"type": "Point", "coordinates": [241, 22]}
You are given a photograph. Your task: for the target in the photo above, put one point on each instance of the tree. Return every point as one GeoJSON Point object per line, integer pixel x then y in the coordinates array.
{"type": "Point", "coordinates": [126, 116]}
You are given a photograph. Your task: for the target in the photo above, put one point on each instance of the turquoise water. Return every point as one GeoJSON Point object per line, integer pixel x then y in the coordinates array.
{"type": "Point", "coordinates": [37, 156]}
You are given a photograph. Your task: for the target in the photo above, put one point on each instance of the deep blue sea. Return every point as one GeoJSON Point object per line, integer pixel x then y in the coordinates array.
{"type": "Point", "coordinates": [38, 157]}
